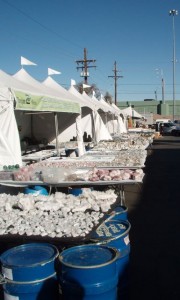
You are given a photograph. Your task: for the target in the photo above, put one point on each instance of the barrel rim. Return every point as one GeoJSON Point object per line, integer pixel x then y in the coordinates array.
{"type": "Point", "coordinates": [14, 282]}
{"type": "Point", "coordinates": [116, 256]}
{"type": "Point", "coordinates": [43, 262]}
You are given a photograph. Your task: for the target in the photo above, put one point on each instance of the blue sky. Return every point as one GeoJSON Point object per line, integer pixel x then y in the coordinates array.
{"type": "Point", "coordinates": [135, 34]}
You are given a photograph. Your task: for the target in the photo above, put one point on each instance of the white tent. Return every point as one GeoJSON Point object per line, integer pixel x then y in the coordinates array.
{"type": "Point", "coordinates": [114, 121]}
{"type": "Point", "coordinates": [109, 107]}
{"type": "Point", "coordinates": [100, 132]}
{"type": "Point", "coordinates": [102, 105]}
{"type": "Point", "coordinates": [64, 119]}
{"type": "Point", "coordinates": [110, 118]}
{"type": "Point", "coordinates": [87, 119]}
{"type": "Point", "coordinates": [10, 152]}
{"type": "Point", "coordinates": [129, 111]}
{"type": "Point", "coordinates": [79, 125]}
{"type": "Point", "coordinates": [87, 100]}
{"type": "Point", "coordinates": [30, 97]}
{"type": "Point", "coordinates": [26, 78]}
{"type": "Point", "coordinates": [49, 82]}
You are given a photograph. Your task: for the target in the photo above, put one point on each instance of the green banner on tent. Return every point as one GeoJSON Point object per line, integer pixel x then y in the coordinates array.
{"type": "Point", "coordinates": [30, 102]}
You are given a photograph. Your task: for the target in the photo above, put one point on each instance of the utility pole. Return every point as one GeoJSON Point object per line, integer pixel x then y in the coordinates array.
{"type": "Point", "coordinates": [85, 66]}
{"type": "Point", "coordinates": [155, 93]}
{"type": "Point", "coordinates": [115, 76]}
{"type": "Point", "coordinates": [162, 83]}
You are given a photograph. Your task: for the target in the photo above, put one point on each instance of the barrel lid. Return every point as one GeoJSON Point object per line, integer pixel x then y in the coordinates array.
{"type": "Point", "coordinates": [28, 255]}
{"type": "Point", "coordinates": [111, 229]}
{"type": "Point", "coordinates": [87, 256]}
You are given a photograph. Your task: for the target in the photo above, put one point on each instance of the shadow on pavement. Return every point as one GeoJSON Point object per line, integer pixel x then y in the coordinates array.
{"type": "Point", "coordinates": [155, 219]}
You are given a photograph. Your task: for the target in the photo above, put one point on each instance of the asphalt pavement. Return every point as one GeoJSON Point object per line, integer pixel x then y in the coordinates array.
{"type": "Point", "coordinates": [154, 214]}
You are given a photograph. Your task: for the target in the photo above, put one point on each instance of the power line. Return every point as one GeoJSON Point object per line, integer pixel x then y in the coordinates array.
{"type": "Point", "coordinates": [40, 24]}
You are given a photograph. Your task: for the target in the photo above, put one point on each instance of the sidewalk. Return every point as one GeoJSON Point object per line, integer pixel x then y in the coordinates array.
{"type": "Point", "coordinates": [154, 214]}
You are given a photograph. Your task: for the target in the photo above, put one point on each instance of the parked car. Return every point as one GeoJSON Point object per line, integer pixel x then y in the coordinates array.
{"type": "Point", "coordinates": [176, 131]}
{"type": "Point", "coordinates": [177, 122]}
{"type": "Point", "coordinates": [166, 128]}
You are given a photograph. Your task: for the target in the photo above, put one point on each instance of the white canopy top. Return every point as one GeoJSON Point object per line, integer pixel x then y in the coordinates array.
{"type": "Point", "coordinates": [118, 110]}
{"type": "Point", "coordinates": [23, 76]}
{"type": "Point", "coordinates": [95, 102]}
{"type": "Point", "coordinates": [51, 83]}
{"type": "Point", "coordinates": [129, 111]}
{"type": "Point", "coordinates": [9, 81]}
{"type": "Point", "coordinates": [73, 91]}
{"type": "Point", "coordinates": [101, 105]}
{"type": "Point", "coordinates": [111, 108]}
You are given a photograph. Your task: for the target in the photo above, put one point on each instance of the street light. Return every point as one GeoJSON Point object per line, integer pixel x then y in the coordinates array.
{"type": "Point", "coordinates": [173, 13]}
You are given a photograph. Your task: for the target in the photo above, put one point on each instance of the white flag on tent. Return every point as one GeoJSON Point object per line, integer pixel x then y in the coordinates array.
{"type": "Point", "coordinates": [86, 86]}
{"type": "Point", "coordinates": [25, 61]}
{"type": "Point", "coordinates": [73, 82]}
{"type": "Point", "coordinates": [53, 72]}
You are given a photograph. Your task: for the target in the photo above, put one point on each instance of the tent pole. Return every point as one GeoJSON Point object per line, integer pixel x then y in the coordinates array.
{"type": "Point", "coordinates": [57, 132]}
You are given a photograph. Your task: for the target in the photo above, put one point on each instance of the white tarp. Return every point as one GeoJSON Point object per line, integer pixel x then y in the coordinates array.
{"type": "Point", "coordinates": [10, 152]}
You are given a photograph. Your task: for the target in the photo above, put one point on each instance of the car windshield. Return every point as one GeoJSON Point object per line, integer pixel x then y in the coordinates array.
{"type": "Point", "coordinates": [169, 124]}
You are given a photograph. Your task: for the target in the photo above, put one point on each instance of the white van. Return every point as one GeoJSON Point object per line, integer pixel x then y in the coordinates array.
{"type": "Point", "coordinates": [163, 121]}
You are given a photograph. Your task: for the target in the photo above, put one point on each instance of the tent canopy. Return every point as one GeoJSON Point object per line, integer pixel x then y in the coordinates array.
{"type": "Point", "coordinates": [129, 111]}
{"type": "Point", "coordinates": [30, 96]}
{"type": "Point", "coordinates": [47, 100]}
{"type": "Point", "coordinates": [51, 83]}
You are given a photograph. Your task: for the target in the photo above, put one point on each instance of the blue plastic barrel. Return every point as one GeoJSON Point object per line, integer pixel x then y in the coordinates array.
{"type": "Point", "coordinates": [29, 272]}
{"type": "Point", "coordinates": [45, 289]}
{"type": "Point", "coordinates": [115, 233]}
{"type": "Point", "coordinates": [89, 272]}
{"type": "Point", "coordinates": [75, 191]}
{"type": "Point", "coordinates": [37, 190]}
{"type": "Point", "coordinates": [118, 213]}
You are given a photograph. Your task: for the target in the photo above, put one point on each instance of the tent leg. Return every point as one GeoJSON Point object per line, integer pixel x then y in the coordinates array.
{"type": "Point", "coordinates": [57, 132]}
